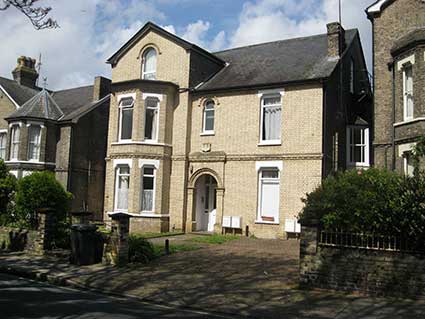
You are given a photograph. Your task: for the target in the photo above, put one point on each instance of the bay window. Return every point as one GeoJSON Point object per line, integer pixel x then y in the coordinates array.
{"type": "Point", "coordinates": [3, 142]}
{"type": "Point", "coordinates": [122, 186]}
{"type": "Point", "coordinates": [208, 117]}
{"type": "Point", "coordinates": [357, 146]}
{"type": "Point", "coordinates": [151, 119]}
{"type": "Point", "coordinates": [408, 102]}
{"type": "Point", "coordinates": [268, 195]}
{"type": "Point", "coordinates": [148, 189]}
{"type": "Point", "coordinates": [126, 118]}
{"type": "Point", "coordinates": [15, 141]}
{"type": "Point", "coordinates": [271, 115]}
{"type": "Point", "coordinates": [34, 139]}
{"type": "Point", "coordinates": [149, 64]}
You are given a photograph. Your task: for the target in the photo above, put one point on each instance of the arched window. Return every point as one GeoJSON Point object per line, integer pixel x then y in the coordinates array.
{"type": "Point", "coordinates": [208, 117]}
{"type": "Point", "coordinates": [149, 64]}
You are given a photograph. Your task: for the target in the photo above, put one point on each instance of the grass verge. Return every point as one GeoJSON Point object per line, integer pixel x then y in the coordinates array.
{"type": "Point", "coordinates": [159, 235]}
{"type": "Point", "coordinates": [215, 239]}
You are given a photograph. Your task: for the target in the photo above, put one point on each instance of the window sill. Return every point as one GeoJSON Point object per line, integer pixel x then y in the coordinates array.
{"type": "Point", "coordinates": [270, 143]}
{"type": "Point", "coordinates": [266, 222]}
{"type": "Point", "coordinates": [358, 165]}
{"type": "Point", "coordinates": [409, 121]}
{"type": "Point", "coordinates": [152, 215]}
{"type": "Point", "coordinates": [152, 143]}
{"type": "Point", "coordinates": [207, 134]}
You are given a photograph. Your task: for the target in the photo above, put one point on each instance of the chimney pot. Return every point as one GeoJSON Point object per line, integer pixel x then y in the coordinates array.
{"type": "Point", "coordinates": [25, 72]}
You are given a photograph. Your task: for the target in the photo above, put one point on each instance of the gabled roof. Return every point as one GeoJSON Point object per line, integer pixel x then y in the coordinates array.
{"type": "Point", "coordinates": [150, 26]}
{"type": "Point", "coordinates": [41, 106]}
{"type": "Point", "coordinates": [275, 63]}
{"type": "Point", "coordinates": [377, 7]}
{"type": "Point", "coordinates": [71, 99]}
{"type": "Point", "coordinates": [75, 115]}
{"type": "Point", "coordinates": [18, 93]}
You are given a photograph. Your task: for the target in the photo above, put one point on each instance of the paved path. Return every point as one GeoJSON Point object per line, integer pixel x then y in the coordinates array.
{"type": "Point", "coordinates": [249, 277]}
{"type": "Point", "coordinates": [20, 298]}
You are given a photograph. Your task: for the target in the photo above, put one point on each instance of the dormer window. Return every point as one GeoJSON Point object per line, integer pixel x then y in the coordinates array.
{"type": "Point", "coordinates": [149, 64]}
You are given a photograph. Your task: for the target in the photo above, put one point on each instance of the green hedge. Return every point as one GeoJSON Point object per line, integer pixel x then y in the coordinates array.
{"type": "Point", "coordinates": [7, 193]}
{"type": "Point", "coordinates": [375, 201]}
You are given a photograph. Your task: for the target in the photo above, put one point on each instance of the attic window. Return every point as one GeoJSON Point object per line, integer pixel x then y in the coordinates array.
{"type": "Point", "coordinates": [149, 64]}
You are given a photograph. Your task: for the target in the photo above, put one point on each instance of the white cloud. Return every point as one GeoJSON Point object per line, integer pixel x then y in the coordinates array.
{"type": "Point", "coordinates": [196, 32]}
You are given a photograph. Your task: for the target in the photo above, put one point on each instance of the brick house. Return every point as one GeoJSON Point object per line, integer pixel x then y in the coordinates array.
{"type": "Point", "coordinates": [199, 141]}
{"type": "Point", "coordinates": [399, 80]}
{"type": "Point", "coordinates": [61, 131]}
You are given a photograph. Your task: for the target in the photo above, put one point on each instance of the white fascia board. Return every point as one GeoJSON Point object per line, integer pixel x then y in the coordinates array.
{"type": "Point", "coordinates": [10, 98]}
{"type": "Point", "coordinates": [377, 7]}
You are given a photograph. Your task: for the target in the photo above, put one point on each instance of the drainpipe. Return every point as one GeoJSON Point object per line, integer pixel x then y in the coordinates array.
{"type": "Point", "coordinates": [393, 118]}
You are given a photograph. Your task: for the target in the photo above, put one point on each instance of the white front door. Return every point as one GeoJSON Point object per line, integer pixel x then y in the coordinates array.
{"type": "Point", "coordinates": [210, 202]}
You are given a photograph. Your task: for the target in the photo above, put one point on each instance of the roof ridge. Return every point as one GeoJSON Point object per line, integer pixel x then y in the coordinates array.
{"type": "Point", "coordinates": [278, 41]}
{"type": "Point", "coordinates": [74, 88]}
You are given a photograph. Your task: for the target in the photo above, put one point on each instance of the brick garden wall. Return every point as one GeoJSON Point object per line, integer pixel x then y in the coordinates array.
{"type": "Point", "coordinates": [17, 239]}
{"type": "Point", "coordinates": [369, 271]}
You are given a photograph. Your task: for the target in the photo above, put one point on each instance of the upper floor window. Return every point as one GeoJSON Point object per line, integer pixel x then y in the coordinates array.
{"type": "Point", "coordinates": [358, 146]}
{"type": "Point", "coordinates": [352, 76]}
{"type": "Point", "coordinates": [3, 142]}
{"type": "Point", "coordinates": [151, 119]}
{"type": "Point", "coordinates": [34, 141]}
{"type": "Point", "coordinates": [408, 92]}
{"type": "Point", "coordinates": [148, 189]}
{"type": "Point", "coordinates": [149, 64]}
{"type": "Point", "coordinates": [271, 116]}
{"type": "Point", "coordinates": [15, 141]}
{"type": "Point", "coordinates": [208, 117]}
{"type": "Point", "coordinates": [122, 186]}
{"type": "Point", "coordinates": [126, 118]}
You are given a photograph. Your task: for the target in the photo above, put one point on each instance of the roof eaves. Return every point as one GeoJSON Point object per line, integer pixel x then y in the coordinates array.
{"type": "Point", "coordinates": [10, 98]}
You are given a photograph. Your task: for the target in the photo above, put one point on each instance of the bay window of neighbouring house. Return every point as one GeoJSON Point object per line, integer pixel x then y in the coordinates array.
{"type": "Point", "coordinates": [34, 139]}
{"type": "Point", "coordinates": [208, 117]}
{"type": "Point", "coordinates": [14, 142]}
{"type": "Point", "coordinates": [3, 143]}
{"type": "Point", "coordinates": [126, 118]}
{"type": "Point", "coordinates": [408, 103]}
{"type": "Point", "coordinates": [408, 163]}
{"type": "Point", "coordinates": [268, 195]}
{"type": "Point", "coordinates": [357, 146]}
{"type": "Point", "coordinates": [122, 186]}
{"type": "Point", "coordinates": [148, 189]}
{"type": "Point", "coordinates": [151, 119]}
{"type": "Point", "coordinates": [149, 64]}
{"type": "Point", "coordinates": [271, 116]}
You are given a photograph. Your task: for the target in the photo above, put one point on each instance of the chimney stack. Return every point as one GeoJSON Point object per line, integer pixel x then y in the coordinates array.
{"type": "Point", "coordinates": [25, 72]}
{"type": "Point", "coordinates": [102, 87]}
{"type": "Point", "coordinates": [336, 39]}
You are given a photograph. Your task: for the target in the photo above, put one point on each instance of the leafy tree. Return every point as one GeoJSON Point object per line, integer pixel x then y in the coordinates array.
{"type": "Point", "coordinates": [418, 153]}
{"type": "Point", "coordinates": [37, 15]}
{"type": "Point", "coordinates": [40, 190]}
{"type": "Point", "coordinates": [7, 191]}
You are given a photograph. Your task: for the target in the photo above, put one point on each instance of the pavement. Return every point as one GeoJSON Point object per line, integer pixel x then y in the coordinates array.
{"type": "Point", "coordinates": [252, 278]}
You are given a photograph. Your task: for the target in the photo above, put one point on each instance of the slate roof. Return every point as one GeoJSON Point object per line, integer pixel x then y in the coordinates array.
{"type": "Point", "coordinates": [41, 106]}
{"type": "Point", "coordinates": [412, 38]}
{"type": "Point", "coordinates": [279, 62]}
{"type": "Point", "coordinates": [19, 93]}
{"type": "Point", "coordinates": [72, 99]}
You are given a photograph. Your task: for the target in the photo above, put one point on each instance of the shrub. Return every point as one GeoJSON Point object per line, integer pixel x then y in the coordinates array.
{"type": "Point", "coordinates": [42, 190]}
{"type": "Point", "coordinates": [359, 201]}
{"type": "Point", "coordinates": [7, 191]}
{"type": "Point", "coordinates": [139, 249]}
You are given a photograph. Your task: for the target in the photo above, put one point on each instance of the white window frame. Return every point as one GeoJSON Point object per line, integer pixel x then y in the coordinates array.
{"type": "Point", "coordinates": [117, 176]}
{"type": "Point", "coordinates": [406, 117]}
{"type": "Point", "coordinates": [30, 142]}
{"type": "Point", "coordinates": [144, 73]}
{"type": "Point", "coordinates": [204, 117]}
{"type": "Point", "coordinates": [158, 108]}
{"type": "Point", "coordinates": [365, 144]}
{"type": "Point", "coordinates": [406, 156]}
{"type": "Point", "coordinates": [121, 108]}
{"type": "Point", "coordinates": [3, 148]}
{"type": "Point", "coordinates": [263, 97]}
{"type": "Point", "coordinates": [154, 167]}
{"type": "Point", "coordinates": [14, 143]}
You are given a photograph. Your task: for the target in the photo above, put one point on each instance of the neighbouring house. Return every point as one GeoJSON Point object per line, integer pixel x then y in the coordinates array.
{"type": "Point", "coordinates": [61, 131]}
{"type": "Point", "coordinates": [202, 141]}
{"type": "Point", "coordinates": [399, 80]}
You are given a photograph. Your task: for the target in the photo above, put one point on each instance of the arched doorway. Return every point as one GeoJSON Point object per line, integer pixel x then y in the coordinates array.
{"type": "Point", "coordinates": [205, 203]}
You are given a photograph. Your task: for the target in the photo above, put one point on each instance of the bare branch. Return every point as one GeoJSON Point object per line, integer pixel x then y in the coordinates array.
{"type": "Point", "coordinates": [37, 15]}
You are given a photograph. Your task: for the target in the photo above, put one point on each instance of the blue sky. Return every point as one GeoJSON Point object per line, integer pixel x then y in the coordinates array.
{"type": "Point", "coordinates": [92, 30]}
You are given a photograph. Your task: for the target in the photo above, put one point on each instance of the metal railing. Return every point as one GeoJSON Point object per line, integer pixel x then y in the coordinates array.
{"type": "Point", "coordinates": [367, 241]}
